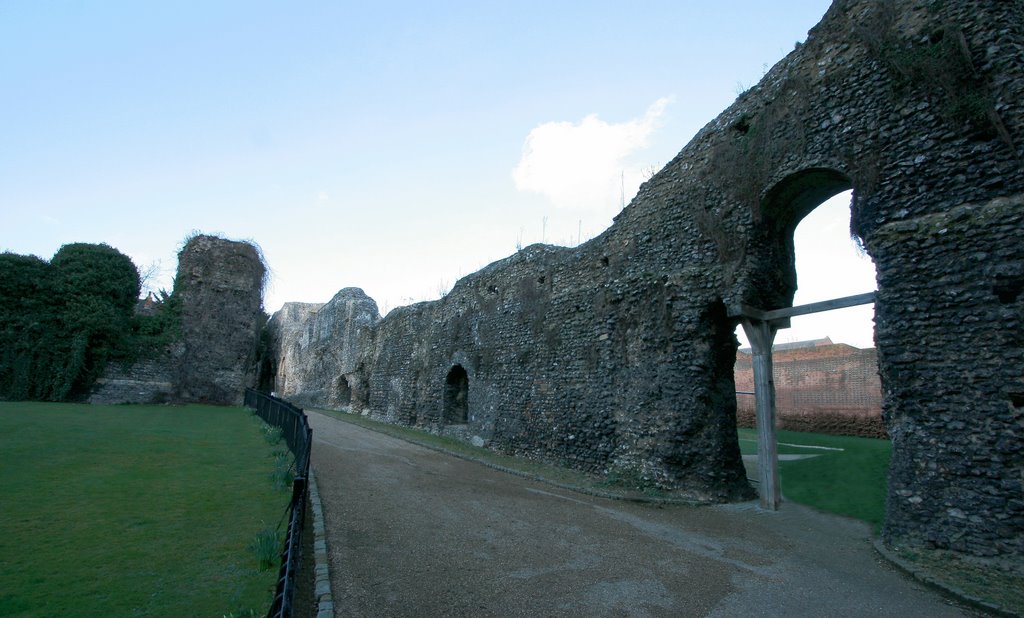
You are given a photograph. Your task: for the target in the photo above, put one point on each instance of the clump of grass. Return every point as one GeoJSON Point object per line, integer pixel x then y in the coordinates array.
{"type": "Point", "coordinates": [282, 476]}
{"type": "Point", "coordinates": [627, 478]}
{"type": "Point", "coordinates": [632, 479]}
{"type": "Point", "coordinates": [273, 435]}
{"type": "Point", "coordinates": [267, 547]}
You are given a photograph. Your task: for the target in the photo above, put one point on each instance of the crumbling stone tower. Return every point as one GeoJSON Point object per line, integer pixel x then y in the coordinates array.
{"type": "Point", "coordinates": [220, 288]}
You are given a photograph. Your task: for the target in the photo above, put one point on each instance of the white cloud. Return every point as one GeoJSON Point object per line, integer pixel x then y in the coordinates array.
{"type": "Point", "coordinates": [583, 166]}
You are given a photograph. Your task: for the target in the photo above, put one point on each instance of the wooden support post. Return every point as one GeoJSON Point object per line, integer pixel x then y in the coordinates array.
{"type": "Point", "coordinates": [760, 327]}
{"type": "Point", "coordinates": [761, 334]}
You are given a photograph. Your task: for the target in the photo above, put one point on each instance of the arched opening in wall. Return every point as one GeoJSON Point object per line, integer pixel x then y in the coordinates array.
{"type": "Point", "coordinates": [456, 396]}
{"type": "Point", "coordinates": [825, 369]}
{"type": "Point", "coordinates": [343, 392]}
{"type": "Point", "coordinates": [360, 385]}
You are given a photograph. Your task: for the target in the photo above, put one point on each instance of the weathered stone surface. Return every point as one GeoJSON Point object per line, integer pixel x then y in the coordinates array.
{"type": "Point", "coordinates": [317, 346]}
{"type": "Point", "coordinates": [220, 286]}
{"type": "Point", "coordinates": [288, 329]}
{"type": "Point", "coordinates": [950, 332]}
{"type": "Point", "coordinates": [145, 381]}
{"type": "Point", "coordinates": [617, 356]}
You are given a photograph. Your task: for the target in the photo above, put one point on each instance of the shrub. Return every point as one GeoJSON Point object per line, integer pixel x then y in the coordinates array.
{"type": "Point", "coordinates": [62, 321]}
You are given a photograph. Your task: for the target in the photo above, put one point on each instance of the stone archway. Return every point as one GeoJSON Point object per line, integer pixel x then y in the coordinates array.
{"type": "Point", "coordinates": [783, 208]}
{"type": "Point", "coordinates": [342, 391]}
{"type": "Point", "coordinates": [456, 396]}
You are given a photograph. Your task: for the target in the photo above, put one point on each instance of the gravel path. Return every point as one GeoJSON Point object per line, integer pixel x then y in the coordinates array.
{"type": "Point", "coordinates": [413, 532]}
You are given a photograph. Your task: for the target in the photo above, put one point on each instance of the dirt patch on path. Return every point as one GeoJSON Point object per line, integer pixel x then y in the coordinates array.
{"type": "Point", "coordinates": [414, 532]}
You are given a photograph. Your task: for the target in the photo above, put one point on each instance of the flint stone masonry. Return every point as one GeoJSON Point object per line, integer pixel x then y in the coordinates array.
{"type": "Point", "coordinates": [220, 285]}
{"type": "Point", "coordinates": [317, 347]}
{"type": "Point", "coordinates": [617, 356]}
{"type": "Point", "coordinates": [146, 381]}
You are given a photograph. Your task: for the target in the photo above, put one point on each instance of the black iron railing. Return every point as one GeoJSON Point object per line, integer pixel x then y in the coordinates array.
{"type": "Point", "coordinates": [299, 437]}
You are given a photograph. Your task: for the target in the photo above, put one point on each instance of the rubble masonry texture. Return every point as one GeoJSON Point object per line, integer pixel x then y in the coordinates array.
{"type": "Point", "coordinates": [616, 357]}
{"type": "Point", "coordinates": [220, 287]}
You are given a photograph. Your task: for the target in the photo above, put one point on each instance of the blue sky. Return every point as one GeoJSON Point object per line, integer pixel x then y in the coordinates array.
{"type": "Point", "coordinates": [390, 146]}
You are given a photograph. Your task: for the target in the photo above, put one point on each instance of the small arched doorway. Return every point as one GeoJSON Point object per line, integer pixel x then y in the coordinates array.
{"type": "Point", "coordinates": [456, 396]}
{"type": "Point", "coordinates": [342, 391]}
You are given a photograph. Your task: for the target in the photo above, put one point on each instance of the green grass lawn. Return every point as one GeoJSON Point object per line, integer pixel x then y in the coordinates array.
{"type": "Point", "coordinates": [847, 477]}
{"type": "Point", "coordinates": [134, 510]}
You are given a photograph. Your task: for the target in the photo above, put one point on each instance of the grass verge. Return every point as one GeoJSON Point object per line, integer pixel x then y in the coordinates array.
{"type": "Point", "coordinates": [134, 510]}
{"type": "Point", "coordinates": [846, 475]}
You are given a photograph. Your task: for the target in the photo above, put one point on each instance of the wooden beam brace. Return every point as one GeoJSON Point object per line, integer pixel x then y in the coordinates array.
{"type": "Point", "coordinates": [760, 327]}
{"type": "Point", "coordinates": [779, 318]}
{"type": "Point", "coordinates": [761, 335]}
{"type": "Point", "coordinates": [825, 305]}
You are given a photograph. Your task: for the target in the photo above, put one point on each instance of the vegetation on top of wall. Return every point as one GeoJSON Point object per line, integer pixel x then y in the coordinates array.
{"type": "Point", "coordinates": [62, 321]}
{"type": "Point", "coordinates": [157, 326]}
{"type": "Point", "coordinates": [938, 65]}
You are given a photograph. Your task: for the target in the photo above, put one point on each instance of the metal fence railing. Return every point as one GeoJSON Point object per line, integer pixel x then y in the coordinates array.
{"type": "Point", "coordinates": [299, 437]}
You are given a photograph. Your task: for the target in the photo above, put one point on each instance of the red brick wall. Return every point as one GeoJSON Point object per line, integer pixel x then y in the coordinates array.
{"type": "Point", "coordinates": [826, 388]}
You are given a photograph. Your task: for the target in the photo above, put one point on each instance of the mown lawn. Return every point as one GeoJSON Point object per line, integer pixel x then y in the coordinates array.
{"type": "Point", "coordinates": [847, 475]}
{"type": "Point", "coordinates": [134, 510]}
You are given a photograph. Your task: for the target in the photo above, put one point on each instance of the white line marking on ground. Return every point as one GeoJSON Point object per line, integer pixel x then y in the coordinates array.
{"type": "Point", "coordinates": [820, 448]}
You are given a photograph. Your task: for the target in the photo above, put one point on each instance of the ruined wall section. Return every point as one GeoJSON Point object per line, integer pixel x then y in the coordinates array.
{"type": "Point", "coordinates": [146, 381]}
{"type": "Point", "coordinates": [622, 362]}
{"type": "Point", "coordinates": [860, 106]}
{"type": "Point", "coordinates": [317, 346]}
{"type": "Point", "coordinates": [288, 332]}
{"type": "Point", "coordinates": [569, 364]}
{"type": "Point", "coordinates": [220, 287]}
{"type": "Point", "coordinates": [489, 324]}
{"type": "Point", "coordinates": [950, 331]}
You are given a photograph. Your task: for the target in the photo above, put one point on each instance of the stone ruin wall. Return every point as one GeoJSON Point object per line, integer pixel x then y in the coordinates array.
{"type": "Point", "coordinates": [617, 356]}
{"type": "Point", "coordinates": [829, 388]}
{"type": "Point", "coordinates": [220, 286]}
{"type": "Point", "coordinates": [144, 381]}
{"type": "Point", "coordinates": [316, 348]}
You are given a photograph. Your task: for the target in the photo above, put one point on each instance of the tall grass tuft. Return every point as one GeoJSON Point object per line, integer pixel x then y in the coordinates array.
{"type": "Point", "coordinates": [282, 476]}
{"type": "Point", "coordinates": [267, 547]}
{"type": "Point", "coordinates": [274, 435]}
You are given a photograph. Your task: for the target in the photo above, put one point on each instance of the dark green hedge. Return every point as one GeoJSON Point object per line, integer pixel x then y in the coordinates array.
{"type": "Point", "coordinates": [62, 321]}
